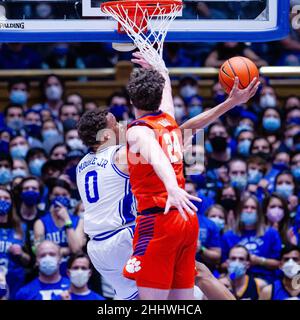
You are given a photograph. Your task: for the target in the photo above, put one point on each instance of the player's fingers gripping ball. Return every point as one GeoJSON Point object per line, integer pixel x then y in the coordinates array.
{"type": "Point", "coordinates": [240, 67]}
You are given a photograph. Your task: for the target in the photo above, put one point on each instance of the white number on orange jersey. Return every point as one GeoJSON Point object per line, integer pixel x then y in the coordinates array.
{"type": "Point", "coordinates": [174, 148]}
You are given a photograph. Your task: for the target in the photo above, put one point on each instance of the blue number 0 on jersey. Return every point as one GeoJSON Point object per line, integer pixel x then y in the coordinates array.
{"type": "Point", "coordinates": [95, 194]}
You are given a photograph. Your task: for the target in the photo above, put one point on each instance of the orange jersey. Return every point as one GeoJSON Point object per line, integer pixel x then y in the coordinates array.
{"type": "Point", "coordinates": [147, 187]}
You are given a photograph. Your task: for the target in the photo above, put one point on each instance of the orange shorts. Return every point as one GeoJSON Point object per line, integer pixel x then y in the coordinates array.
{"type": "Point", "coordinates": [164, 249]}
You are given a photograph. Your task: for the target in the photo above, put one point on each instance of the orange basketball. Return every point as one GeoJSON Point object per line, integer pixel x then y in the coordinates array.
{"type": "Point", "coordinates": [240, 67]}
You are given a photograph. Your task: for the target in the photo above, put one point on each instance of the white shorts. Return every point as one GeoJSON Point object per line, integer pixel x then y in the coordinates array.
{"type": "Point", "coordinates": [109, 257]}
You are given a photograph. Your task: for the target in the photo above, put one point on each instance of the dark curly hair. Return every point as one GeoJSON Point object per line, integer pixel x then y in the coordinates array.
{"type": "Point", "coordinates": [145, 88]}
{"type": "Point", "coordinates": [89, 125]}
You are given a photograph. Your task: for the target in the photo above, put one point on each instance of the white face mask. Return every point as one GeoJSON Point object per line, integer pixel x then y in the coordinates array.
{"type": "Point", "coordinates": [188, 91]}
{"type": "Point", "coordinates": [75, 144]}
{"type": "Point", "coordinates": [267, 100]}
{"type": "Point", "coordinates": [290, 269]}
{"type": "Point", "coordinates": [54, 92]}
{"type": "Point", "coordinates": [79, 278]}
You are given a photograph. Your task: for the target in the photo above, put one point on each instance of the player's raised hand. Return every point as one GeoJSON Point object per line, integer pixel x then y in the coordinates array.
{"type": "Point", "coordinates": [240, 96]}
{"type": "Point", "coordinates": [180, 199]}
{"type": "Point", "coordinates": [138, 59]}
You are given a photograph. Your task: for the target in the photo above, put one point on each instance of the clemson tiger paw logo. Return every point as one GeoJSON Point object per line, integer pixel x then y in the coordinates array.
{"type": "Point", "coordinates": [133, 265]}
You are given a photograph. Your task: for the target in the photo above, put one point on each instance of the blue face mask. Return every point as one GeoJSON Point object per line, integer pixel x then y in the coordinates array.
{"type": "Point", "coordinates": [48, 265]}
{"type": "Point", "coordinates": [5, 176]}
{"type": "Point", "coordinates": [50, 134]}
{"type": "Point", "coordinates": [219, 222]}
{"type": "Point", "coordinates": [65, 201]}
{"type": "Point", "coordinates": [296, 173]}
{"type": "Point", "coordinates": [19, 173]}
{"type": "Point", "coordinates": [294, 120]}
{"type": "Point", "coordinates": [33, 130]}
{"type": "Point", "coordinates": [5, 207]}
{"type": "Point", "coordinates": [30, 198]}
{"type": "Point", "coordinates": [242, 127]}
{"type": "Point", "coordinates": [35, 166]}
{"type": "Point", "coordinates": [18, 97]}
{"type": "Point", "coordinates": [236, 269]}
{"type": "Point", "coordinates": [249, 219]}
{"type": "Point", "coordinates": [271, 124]}
{"type": "Point", "coordinates": [285, 190]}
{"type": "Point", "coordinates": [254, 176]}
{"type": "Point", "coordinates": [194, 111]}
{"type": "Point", "coordinates": [280, 166]}
{"type": "Point", "coordinates": [244, 148]}
{"type": "Point", "coordinates": [15, 124]}
{"type": "Point", "coordinates": [118, 111]}
{"type": "Point", "coordinates": [239, 182]}
{"type": "Point", "coordinates": [19, 152]}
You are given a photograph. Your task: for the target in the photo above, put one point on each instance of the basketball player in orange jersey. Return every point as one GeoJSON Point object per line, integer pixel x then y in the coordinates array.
{"type": "Point", "coordinates": [163, 261]}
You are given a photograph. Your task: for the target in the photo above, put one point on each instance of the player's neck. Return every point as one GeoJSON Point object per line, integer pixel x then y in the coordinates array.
{"type": "Point", "coordinates": [140, 113]}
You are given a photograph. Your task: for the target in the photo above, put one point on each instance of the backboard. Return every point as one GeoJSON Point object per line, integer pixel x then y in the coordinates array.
{"type": "Point", "coordinates": [83, 21]}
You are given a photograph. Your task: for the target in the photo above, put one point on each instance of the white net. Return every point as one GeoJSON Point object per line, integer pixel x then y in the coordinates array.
{"type": "Point", "coordinates": [146, 26]}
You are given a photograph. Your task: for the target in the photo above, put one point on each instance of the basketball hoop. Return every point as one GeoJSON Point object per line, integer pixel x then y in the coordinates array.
{"type": "Point", "coordinates": [146, 22]}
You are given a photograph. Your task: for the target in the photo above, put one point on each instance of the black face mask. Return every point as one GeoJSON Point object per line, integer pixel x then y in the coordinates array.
{"type": "Point", "coordinates": [263, 155]}
{"type": "Point", "coordinates": [219, 144]}
{"type": "Point", "coordinates": [228, 203]}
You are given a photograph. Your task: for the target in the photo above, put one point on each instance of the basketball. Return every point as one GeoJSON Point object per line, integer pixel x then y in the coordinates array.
{"type": "Point", "coordinates": [240, 67]}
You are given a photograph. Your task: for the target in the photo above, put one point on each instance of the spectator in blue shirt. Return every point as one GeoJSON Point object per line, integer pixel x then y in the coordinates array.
{"type": "Point", "coordinates": [262, 242]}
{"type": "Point", "coordinates": [49, 281]}
{"type": "Point", "coordinates": [79, 272]}
{"type": "Point", "coordinates": [286, 288]}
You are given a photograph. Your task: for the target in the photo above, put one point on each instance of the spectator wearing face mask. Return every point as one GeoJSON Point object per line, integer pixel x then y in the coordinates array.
{"type": "Point", "coordinates": [217, 146]}
{"type": "Point", "coordinates": [268, 98]}
{"type": "Point", "coordinates": [33, 128]}
{"type": "Point", "coordinates": [19, 169]}
{"type": "Point", "coordinates": [243, 285]}
{"type": "Point", "coordinates": [180, 109]}
{"type": "Point", "coordinates": [18, 147]}
{"type": "Point", "coordinates": [262, 242]}
{"type": "Point", "coordinates": [286, 288]}
{"type": "Point", "coordinates": [19, 92]}
{"type": "Point", "coordinates": [118, 104]}
{"type": "Point", "coordinates": [77, 100]}
{"type": "Point", "coordinates": [49, 280]}
{"type": "Point", "coordinates": [261, 147]}
{"type": "Point", "coordinates": [292, 102]}
{"type": "Point", "coordinates": [272, 127]}
{"type": "Point", "coordinates": [69, 116]}
{"type": "Point", "coordinates": [238, 174]}
{"type": "Point", "coordinates": [188, 88]}
{"type": "Point", "coordinates": [291, 130]}
{"type": "Point", "coordinates": [229, 197]}
{"type": "Point", "coordinates": [195, 106]}
{"type": "Point", "coordinates": [36, 158]}
{"type": "Point", "coordinates": [14, 119]}
{"type": "Point", "coordinates": [295, 165]}
{"type": "Point", "coordinates": [59, 224]}
{"type": "Point", "coordinates": [73, 141]}
{"type": "Point", "coordinates": [244, 140]}
{"type": "Point", "coordinates": [209, 236]}
{"type": "Point", "coordinates": [218, 215]}
{"type": "Point", "coordinates": [292, 115]}
{"type": "Point", "coordinates": [50, 135]}
{"type": "Point", "coordinates": [79, 272]}
{"type": "Point", "coordinates": [13, 257]}
{"type": "Point", "coordinates": [257, 168]}
{"type": "Point", "coordinates": [52, 88]}
{"type": "Point", "coordinates": [277, 215]}
{"type": "Point", "coordinates": [5, 169]}
{"type": "Point", "coordinates": [29, 195]}
{"type": "Point", "coordinates": [286, 187]}
{"type": "Point", "coordinates": [59, 152]}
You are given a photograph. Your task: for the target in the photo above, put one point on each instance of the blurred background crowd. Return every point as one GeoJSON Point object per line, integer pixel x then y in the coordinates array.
{"type": "Point", "coordinates": [247, 173]}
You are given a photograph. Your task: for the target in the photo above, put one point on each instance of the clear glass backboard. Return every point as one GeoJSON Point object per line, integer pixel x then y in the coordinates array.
{"type": "Point", "coordinates": [82, 20]}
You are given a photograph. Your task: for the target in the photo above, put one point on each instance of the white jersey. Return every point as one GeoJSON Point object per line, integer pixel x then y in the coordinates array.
{"type": "Point", "coordinates": [106, 194]}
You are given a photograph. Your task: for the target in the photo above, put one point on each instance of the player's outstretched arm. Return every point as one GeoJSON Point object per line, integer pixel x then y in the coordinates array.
{"type": "Point", "coordinates": [167, 104]}
{"type": "Point", "coordinates": [142, 140]}
{"type": "Point", "coordinates": [210, 286]}
{"type": "Point", "coordinates": [236, 97]}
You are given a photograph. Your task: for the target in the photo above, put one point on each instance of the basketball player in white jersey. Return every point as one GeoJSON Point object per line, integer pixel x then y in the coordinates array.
{"type": "Point", "coordinates": [103, 183]}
